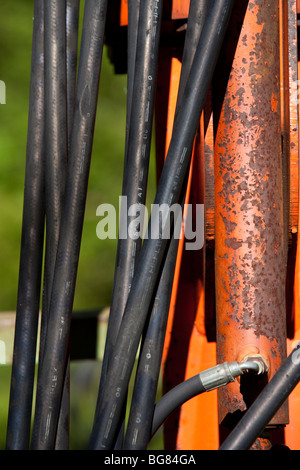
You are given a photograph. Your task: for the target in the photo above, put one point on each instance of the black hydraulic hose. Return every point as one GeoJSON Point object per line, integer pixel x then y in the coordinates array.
{"type": "Point", "coordinates": [72, 21]}
{"type": "Point", "coordinates": [143, 399]}
{"type": "Point", "coordinates": [138, 141]}
{"type": "Point", "coordinates": [56, 147]}
{"type": "Point", "coordinates": [62, 296]}
{"type": "Point", "coordinates": [266, 404]}
{"type": "Point", "coordinates": [23, 366]}
{"type": "Point", "coordinates": [132, 33]}
{"type": "Point", "coordinates": [121, 275]}
{"type": "Point", "coordinates": [55, 140]}
{"type": "Point", "coordinates": [152, 252]}
{"type": "Point", "coordinates": [63, 426]}
{"type": "Point", "coordinates": [175, 398]}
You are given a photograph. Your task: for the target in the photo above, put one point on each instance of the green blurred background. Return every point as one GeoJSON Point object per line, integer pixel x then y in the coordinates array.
{"type": "Point", "coordinates": [96, 266]}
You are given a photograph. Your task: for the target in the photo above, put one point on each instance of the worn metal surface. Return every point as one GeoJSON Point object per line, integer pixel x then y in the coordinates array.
{"type": "Point", "coordinates": [250, 252]}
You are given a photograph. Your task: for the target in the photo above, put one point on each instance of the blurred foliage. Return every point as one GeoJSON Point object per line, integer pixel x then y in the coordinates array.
{"type": "Point", "coordinates": [97, 258]}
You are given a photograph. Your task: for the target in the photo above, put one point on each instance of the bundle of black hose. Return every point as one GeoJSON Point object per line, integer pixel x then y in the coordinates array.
{"type": "Point", "coordinates": [55, 355]}
{"type": "Point", "coordinates": [139, 424]}
{"type": "Point", "coordinates": [23, 366]}
{"type": "Point", "coordinates": [143, 400]}
{"type": "Point", "coordinates": [137, 153]}
{"type": "Point", "coordinates": [144, 23]}
{"type": "Point", "coordinates": [266, 404]}
{"type": "Point", "coordinates": [152, 252]}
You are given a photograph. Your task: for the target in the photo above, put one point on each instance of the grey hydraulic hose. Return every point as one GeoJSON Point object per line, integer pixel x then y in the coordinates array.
{"type": "Point", "coordinates": [266, 404]}
{"type": "Point", "coordinates": [210, 379]}
{"type": "Point", "coordinates": [153, 249]}
{"type": "Point", "coordinates": [27, 312]}
{"type": "Point", "coordinates": [63, 287]}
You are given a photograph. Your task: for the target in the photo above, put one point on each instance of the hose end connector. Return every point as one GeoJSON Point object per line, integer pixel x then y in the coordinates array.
{"type": "Point", "coordinates": [255, 362]}
{"type": "Point", "coordinates": [220, 375]}
{"type": "Point", "coordinates": [224, 373]}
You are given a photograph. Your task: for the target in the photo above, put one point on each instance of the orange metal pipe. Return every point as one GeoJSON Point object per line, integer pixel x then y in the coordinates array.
{"type": "Point", "coordinates": [250, 253]}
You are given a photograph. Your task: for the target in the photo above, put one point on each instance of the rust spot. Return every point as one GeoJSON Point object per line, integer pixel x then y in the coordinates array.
{"type": "Point", "coordinates": [274, 102]}
{"type": "Point", "coordinates": [233, 243]}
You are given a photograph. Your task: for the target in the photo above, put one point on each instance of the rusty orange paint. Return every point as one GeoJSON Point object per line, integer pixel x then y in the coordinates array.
{"type": "Point", "coordinates": [195, 414]}
{"type": "Point", "coordinates": [198, 426]}
{"type": "Point", "coordinates": [274, 103]}
{"type": "Point", "coordinates": [249, 234]}
{"type": "Point", "coordinates": [180, 9]}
